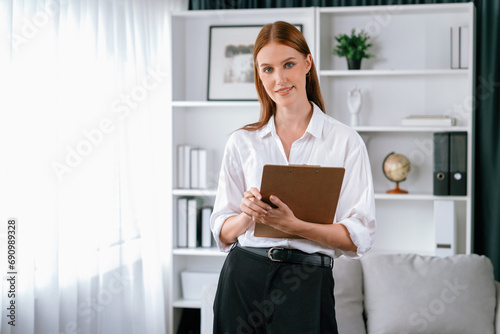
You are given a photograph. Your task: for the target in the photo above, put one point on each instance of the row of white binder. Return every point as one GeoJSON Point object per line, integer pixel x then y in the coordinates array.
{"type": "Point", "coordinates": [192, 167]}
{"type": "Point", "coordinates": [193, 223]}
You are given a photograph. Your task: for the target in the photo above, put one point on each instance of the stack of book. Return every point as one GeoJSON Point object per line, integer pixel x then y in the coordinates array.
{"type": "Point", "coordinates": [428, 120]}
{"type": "Point", "coordinates": [192, 167]}
{"type": "Point", "coordinates": [193, 223]}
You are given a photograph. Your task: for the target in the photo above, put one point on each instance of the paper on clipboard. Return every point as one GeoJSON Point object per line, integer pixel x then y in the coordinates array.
{"type": "Point", "coordinates": [311, 192]}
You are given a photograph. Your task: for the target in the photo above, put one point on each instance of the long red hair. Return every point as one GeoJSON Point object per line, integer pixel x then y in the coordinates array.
{"type": "Point", "coordinates": [283, 33]}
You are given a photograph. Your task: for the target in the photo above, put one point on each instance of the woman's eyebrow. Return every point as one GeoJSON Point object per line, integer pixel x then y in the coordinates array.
{"type": "Point", "coordinates": [284, 61]}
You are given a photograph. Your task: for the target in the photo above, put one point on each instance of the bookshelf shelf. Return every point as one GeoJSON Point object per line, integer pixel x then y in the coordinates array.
{"type": "Point", "coordinates": [403, 129]}
{"type": "Point", "coordinates": [224, 104]}
{"type": "Point", "coordinates": [194, 192]}
{"type": "Point", "coordinates": [371, 73]}
{"type": "Point", "coordinates": [198, 252]}
{"type": "Point", "coordinates": [187, 303]}
{"type": "Point", "coordinates": [418, 197]}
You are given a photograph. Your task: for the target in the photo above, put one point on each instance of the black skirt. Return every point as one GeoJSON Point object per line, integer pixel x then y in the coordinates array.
{"type": "Point", "coordinates": [256, 295]}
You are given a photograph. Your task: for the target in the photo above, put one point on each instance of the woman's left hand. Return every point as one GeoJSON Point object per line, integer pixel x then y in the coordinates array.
{"type": "Point", "coordinates": [280, 218]}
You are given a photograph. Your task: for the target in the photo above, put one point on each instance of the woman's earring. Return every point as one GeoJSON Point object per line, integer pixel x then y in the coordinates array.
{"type": "Point", "coordinates": [308, 74]}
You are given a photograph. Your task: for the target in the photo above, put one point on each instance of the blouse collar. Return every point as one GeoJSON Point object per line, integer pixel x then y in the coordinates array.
{"type": "Point", "coordinates": [315, 127]}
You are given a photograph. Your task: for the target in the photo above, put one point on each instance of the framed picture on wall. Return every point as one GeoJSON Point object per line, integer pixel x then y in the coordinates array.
{"type": "Point", "coordinates": [230, 63]}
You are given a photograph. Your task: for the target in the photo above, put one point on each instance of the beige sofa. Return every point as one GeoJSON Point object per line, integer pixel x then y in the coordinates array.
{"type": "Point", "coordinates": [406, 294]}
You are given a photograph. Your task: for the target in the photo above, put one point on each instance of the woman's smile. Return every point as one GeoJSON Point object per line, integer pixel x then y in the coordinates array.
{"type": "Point", "coordinates": [284, 91]}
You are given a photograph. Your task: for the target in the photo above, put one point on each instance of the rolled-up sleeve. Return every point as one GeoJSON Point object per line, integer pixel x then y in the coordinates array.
{"type": "Point", "coordinates": [356, 207]}
{"type": "Point", "coordinates": [229, 193]}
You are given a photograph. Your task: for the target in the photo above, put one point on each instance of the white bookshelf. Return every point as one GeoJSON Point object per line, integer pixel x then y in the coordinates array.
{"type": "Point", "coordinates": [410, 75]}
{"type": "Point", "coordinates": [208, 124]}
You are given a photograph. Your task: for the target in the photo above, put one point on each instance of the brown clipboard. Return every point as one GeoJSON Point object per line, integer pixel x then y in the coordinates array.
{"type": "Point", "coordinates": [311, 192]}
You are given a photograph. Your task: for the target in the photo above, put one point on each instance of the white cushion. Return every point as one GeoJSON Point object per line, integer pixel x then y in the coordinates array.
{"type": "Point", "coordinates": [408, 293]}
{"type": "Point", "coordinates": [348, 293]}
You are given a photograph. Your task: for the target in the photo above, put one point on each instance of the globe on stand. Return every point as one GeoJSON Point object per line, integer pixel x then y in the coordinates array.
{"type": "Point", "coordinates": [396, 168]}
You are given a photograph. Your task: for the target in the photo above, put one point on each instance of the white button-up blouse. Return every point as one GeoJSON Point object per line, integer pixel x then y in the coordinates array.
{"type": "Point", "coordinates": [326, 142]}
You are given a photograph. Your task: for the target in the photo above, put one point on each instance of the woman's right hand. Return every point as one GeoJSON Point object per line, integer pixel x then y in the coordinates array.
{"type": "Point", "coordinates": [252, 204]}
{"type": "Point", "coordinates": [251, 207]}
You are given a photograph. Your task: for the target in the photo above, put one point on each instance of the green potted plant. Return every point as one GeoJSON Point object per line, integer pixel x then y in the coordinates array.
{"type": "Point", "coordinates": [353, 47]}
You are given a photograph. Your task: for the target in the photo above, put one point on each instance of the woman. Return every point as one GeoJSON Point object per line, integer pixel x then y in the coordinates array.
{"type": "Point", "coordinates": [256, 294]}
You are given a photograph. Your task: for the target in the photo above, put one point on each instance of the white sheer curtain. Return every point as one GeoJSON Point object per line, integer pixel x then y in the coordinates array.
{"type": "Point", "coordinates": [84, 87]}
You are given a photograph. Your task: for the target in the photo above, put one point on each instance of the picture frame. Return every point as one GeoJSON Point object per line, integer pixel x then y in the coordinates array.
{"type": "Point", "coordinates": [230, 62]}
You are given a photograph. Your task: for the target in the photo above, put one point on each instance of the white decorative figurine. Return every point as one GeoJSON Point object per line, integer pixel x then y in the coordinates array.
{"type": "Point", "coordinates": [354, 104]}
